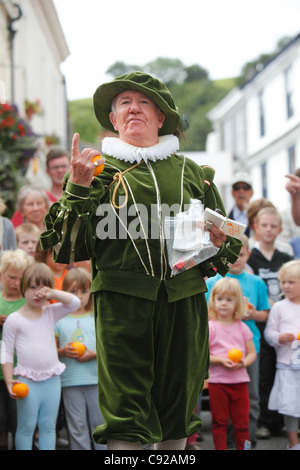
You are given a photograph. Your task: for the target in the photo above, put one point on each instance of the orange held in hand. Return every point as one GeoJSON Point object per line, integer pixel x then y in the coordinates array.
{"type": "Point", "coordinates": [235, 355]}
{"type": "Point", "coordinates": [98, 168]}
{"type": "Point", "coordinates": [21, 390]}
{"type": "Point", "coordinates": [80, 348]}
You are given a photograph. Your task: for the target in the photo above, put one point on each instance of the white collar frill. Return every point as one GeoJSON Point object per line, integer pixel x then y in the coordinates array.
{"type": "Point", "coordinates": [167, 145]}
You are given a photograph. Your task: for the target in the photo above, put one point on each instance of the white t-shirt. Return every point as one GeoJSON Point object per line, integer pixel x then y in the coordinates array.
{"type": "Point", "coordinates": [284, 317]}
{"type": "Point", "coordinates": [34, 341]}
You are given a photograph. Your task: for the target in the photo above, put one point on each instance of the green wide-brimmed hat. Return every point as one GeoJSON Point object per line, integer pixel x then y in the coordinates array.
{"type": "Point", "coordinates": [143, 83]}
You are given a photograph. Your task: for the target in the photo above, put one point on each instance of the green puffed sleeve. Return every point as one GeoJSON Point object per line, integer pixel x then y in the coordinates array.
{"type": "Point", "coordinates": [232, 246]}
{"type": "Point", "coordinates": [69, 228]}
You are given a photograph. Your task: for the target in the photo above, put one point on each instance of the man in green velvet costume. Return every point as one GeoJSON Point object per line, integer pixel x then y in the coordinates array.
{"type": "Point", "coordinates": [151, 326]}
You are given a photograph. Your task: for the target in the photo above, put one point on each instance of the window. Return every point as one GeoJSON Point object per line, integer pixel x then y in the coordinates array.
{"type": "Point", "coordinates": [240, 133]}
{"type": "Point", "coordinates": [261, 114]}
{"type": "Point", "coordinates": [228, 135]}
{"type": "Point", "coordinates": [264, 179]}
{"type": "Point", "coordinates": [289, 92]}
{"type": "Point", "coordinates": [292, 159]}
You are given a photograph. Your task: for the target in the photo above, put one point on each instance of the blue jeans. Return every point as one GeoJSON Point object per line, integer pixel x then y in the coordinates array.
{"type": "Point", "coordinates": [82, 415]}
{"type": "Point", "coordinates": [40, 407]}
{"type": "Point", "coordinates": [253, 371]}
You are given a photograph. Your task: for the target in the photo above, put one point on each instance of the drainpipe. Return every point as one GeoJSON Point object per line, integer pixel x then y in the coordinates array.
{"type": "Point", "coordinates": [12, 33]}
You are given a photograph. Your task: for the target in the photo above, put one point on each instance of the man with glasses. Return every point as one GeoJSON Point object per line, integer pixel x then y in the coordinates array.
{"type": "Point", "coordinates": [57, 164]}
{"type": "Point", "coordinates": [242, 192]}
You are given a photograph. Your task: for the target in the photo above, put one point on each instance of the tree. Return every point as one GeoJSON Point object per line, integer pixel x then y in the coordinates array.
{"type": "Point", "coordinates": [83, 120]}
{"type": "Point", "coordinates": [195, 72]}
{"type": "Point", "coordinates": [120, 68]}
{"type": "Point", "coordinates": [253, 67]}
{"type": "Point", "coordinates": [167, 70]}
{"type": "Point", "coordinates": [282, 43]}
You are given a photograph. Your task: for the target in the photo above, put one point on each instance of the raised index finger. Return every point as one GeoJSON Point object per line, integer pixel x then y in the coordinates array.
{"type": "Point", "coordinates": [75, 145]}
{"type": "Point", "coordinates": [293, 178]}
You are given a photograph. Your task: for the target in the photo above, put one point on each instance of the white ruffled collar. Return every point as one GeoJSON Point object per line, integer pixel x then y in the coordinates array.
{"type": "Point", "coordinates": [167, 145]}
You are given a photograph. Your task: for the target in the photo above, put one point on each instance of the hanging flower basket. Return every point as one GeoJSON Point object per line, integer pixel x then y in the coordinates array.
{"type": "Point", "coordinates": [14, 131]}
{"type": "Point", "coordinates": [17, 146]}
{"type": "Point", "coordinates": [32, 107]}
{"type": "Point", "coordinates": [51, 140]}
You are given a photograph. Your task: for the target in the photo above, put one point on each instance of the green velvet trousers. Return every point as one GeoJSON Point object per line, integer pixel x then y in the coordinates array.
{"type": "Point", "coordinates": [152, 360]}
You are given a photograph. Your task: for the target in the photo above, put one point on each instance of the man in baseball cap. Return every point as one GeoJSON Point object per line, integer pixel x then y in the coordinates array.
{"type": "Point", "coordinates": [242, 192]}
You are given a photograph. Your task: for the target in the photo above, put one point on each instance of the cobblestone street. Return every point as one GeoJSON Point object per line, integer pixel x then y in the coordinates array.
{"type": "Point", "coordinates": [274, 443]}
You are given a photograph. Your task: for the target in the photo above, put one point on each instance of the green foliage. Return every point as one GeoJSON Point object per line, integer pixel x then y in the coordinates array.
{"type": "Point", "coordinates": [167, 70]}
{"type": "Point", "coordinates": [83, 120]}
{"type": "Point", "coordinates": [195, 72]}
{"type": "Point", "coordinates": [11, 179]}
{"type": "Point", "coordinates": [251, 68]}
{"type": "Point", "coordinates": [193, 91]}
{"type": "Point", "coordinates": [120, 68]}
{"type": "Point", "coordinates": [195, 99]}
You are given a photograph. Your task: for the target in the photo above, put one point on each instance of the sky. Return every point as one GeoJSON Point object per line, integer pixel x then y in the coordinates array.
{"type": "Point", "coordinates": [219, 35]}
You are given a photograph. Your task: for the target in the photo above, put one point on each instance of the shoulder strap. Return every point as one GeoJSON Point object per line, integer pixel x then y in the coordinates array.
{"type": "Point", "coordinates": [208, 174]}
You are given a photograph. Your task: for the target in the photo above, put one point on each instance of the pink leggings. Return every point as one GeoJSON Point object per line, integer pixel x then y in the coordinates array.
{"type": "Point", "coordinates": [229, 400]}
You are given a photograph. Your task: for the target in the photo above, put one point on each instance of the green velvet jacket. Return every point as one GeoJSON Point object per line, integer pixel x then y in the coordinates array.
{"type": "Point", "coordinates": [84, 224]}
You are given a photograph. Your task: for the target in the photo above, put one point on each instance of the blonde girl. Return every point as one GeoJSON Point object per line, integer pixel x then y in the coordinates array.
{"type": "Point", "coordinates": [228, 380]}
{"type": "Point", "coordinates": [282, 333]}
{"type": "Point", "coordinates": [30, 331]}
{"type": "Point", "coordinates": [79, 380]}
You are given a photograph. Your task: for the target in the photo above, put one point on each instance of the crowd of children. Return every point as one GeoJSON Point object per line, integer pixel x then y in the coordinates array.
{"type": "Point", "coordinates": [39, 324]}
{"type": "Point", "coordinates": [268, 280]}
{"type": "Point", "coordinates": [46, 307]}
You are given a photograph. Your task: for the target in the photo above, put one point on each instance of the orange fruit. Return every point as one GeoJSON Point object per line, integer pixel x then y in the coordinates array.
{"type": "Point", "coordinates": [235, 355]}
{"type": "Point", "coordinates": [298, 337]}
{"type": "Point", "coordinates": [21, 390]}
{"type": "Point", "coordinates": [99, 168]}
{"type": "Point", "coordinates": [80, 348]}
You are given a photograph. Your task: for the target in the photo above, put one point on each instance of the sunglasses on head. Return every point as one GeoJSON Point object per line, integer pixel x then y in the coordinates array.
{"type": "Point", "coordinates": [237, 187]}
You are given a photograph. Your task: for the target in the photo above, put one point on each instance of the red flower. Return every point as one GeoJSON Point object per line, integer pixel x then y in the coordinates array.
{"type": "Point", "coordinates": [10, 121]}
{"type": "Point", "coordinates": [12, 127]}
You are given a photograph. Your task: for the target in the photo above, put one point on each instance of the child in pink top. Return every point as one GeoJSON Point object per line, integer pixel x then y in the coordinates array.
{"type": "Point", "coordinates": [283, 333]}
{"type": "Point", "coordinates": [30, 331]}
{"type": "Point", "coordinates": [228, 380]}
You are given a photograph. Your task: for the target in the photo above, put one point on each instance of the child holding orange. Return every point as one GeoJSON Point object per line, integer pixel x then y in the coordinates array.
{"type": "Point", "coordinates": [228, 378]}
{"type": "Point", "coordinates": [30, 331]}
{"type": "Point", "coordinates": [12, 265]}
{"type": "Point", "coordinates": [282, 332]}
{"type": "Point", "coordinates": [79, 380]}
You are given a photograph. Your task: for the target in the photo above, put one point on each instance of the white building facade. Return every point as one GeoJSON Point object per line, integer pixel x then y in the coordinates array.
{"type": "Point", "coordinates": [259, 124]}
{"type": "Point", "coordinates": [30, 70]}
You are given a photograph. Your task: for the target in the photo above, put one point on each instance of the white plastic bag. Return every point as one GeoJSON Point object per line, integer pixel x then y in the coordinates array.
{"type": "Point", "coordinates": [188, 243]}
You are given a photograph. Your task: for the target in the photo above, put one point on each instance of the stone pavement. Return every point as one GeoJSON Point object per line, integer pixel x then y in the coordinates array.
{"type": "Point", "coordinates": [274, 443]}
